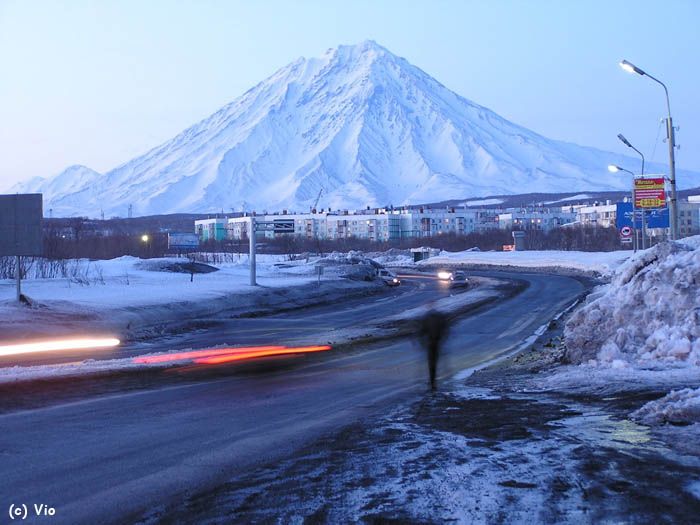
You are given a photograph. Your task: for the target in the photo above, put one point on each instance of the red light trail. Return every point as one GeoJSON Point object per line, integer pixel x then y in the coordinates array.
{"type": "Point", "coordinates": [215, 356]}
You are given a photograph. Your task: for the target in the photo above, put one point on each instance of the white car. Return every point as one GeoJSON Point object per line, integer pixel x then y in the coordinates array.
{"type": "Point", "coordinates": [389, 277]}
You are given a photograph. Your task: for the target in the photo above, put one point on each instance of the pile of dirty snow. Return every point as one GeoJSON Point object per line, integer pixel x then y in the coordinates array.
{"type": "Point", "coordinates": [648, 316]}
{"type": "Point", "coordinates": [641, 331]}
{"type": "Point", "coordinates": [678, 407]}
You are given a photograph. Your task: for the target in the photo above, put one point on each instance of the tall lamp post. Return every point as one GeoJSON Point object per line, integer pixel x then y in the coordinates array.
{"type": "Point", "coordinates": [634, 201]}
{"type": "Point", "coordinates": [627, 143]}
{"type": "Point", "coordinates": [671, 135]}
{"type": "Point", "coordinates": [614, 169]}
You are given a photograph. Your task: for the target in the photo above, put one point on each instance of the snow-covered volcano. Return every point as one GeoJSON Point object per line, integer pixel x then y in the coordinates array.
{"type": "Point", "coordinates": [359, 123]}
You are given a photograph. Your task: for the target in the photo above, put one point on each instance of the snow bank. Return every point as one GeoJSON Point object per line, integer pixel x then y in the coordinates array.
{"type": "Point", "coordinates": [648, 316]}
{"type": "Point", "coordinates": [679, 406]}
{"type": "Point", "coordinates": [602, 263]}
{"type": "Point", "coordinates": [641, 332]}
{"type": "Point", "coordinates": [129, 295]}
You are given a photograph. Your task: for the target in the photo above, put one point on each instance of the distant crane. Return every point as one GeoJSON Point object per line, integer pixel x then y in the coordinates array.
{"type": "Point", "coordinates": [318, 197]}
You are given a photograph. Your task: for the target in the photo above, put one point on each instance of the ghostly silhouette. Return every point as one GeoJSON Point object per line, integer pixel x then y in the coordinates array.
{"type": "Point", "coordinates": [432, 331]}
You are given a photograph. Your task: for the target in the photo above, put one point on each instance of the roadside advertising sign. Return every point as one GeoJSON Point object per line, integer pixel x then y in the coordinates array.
{"type": "Point", "coordinates": [20, 224]}
{"type": "Point", "coordinates": [183, 241]}
{"type": "Point", "coordinates": [650, 192]}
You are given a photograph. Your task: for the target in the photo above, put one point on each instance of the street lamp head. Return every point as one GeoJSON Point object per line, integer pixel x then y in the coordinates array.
{"type": "Point", "coordinates": [614, 169]}
{"type": "Point", "coordinates": [144, 238]}
{"type": "Point", "coordinates": [631, 68]}
{"type": "Point", "coordinates": [624, 140]}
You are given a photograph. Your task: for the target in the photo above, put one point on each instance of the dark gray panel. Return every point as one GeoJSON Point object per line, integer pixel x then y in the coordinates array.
{"type": "Point", "coordinates": [20, 224]}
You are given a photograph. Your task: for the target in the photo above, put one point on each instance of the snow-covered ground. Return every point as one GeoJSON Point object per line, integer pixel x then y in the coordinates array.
{"type": "Point", "coordinates": [128, 293]}
{"type": "Point", "coordinates": [641, 332]}
{"type": "Point", "coordinates": [601, 263]}
{"type": "Point", "coordinates": [129, 281]}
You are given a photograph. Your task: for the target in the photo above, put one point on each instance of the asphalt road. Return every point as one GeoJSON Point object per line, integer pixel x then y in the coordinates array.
{"type": "Point", "coordinates": [111, 458]}
{"type": "Point", "coordinates": [282, 328]}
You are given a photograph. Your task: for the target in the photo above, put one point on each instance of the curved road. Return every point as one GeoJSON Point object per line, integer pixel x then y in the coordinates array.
{"type": "Point", "coordinates": [111, 458]}
{"type": "Point", "coordinates": [281, 328]}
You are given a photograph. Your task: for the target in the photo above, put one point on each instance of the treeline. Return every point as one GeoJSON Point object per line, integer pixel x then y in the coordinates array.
{"type": "Point", "coordinates": [77, 244]}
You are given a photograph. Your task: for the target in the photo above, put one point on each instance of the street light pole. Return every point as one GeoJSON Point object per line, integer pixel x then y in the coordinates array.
{"type": "Point", "coordinates": [614, 169]}
{"type": "Point", "coordinates": [671, 136]}
{"type": "Point", "coordinates": [634, 200]}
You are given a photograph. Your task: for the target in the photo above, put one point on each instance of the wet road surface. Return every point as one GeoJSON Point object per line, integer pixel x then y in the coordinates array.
{"type": "Point", "coordinates": [113, 457]}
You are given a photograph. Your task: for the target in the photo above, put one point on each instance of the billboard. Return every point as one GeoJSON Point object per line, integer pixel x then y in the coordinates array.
{"type": "Point", "coordinates": [20, 224]}
{"type": "Point", "coordinates": [650, 192]}
{"type": "Point", "coordinates": [183, 241]}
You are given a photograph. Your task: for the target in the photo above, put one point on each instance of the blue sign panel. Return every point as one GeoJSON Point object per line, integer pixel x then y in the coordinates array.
{"type": "Point", "coordinates": [624, 215]}
{"type": "Point", "coordinates": [657, 218]}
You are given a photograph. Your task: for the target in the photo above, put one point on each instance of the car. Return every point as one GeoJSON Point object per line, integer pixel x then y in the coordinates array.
{"type": "Point", "coordinates": [459, 279]}
{"type": "Point", "coordinates": [444, 275]}
{"type": "Point", "coordinates": [389, 277]}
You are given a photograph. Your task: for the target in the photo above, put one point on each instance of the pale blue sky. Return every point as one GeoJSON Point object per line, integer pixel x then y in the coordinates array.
{"type": "Point", "coordinates": [100, 82]}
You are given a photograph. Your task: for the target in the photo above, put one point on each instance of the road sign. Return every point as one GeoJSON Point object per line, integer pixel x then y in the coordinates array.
{"type": "Point", "coordinates": [623, 216]}
{"type": "Point", "coordinates": [650, 192]}
{"type": "Point", "coordinates": [276, 226]}
{"type": "Point", "coordinates": [658, 218]}
{"type": "Point", "coordinates": [625, 232]}
{"type": "Point", "coordinates": [627, 240]}
{"type": "Point", "coordinates": [283, 226]}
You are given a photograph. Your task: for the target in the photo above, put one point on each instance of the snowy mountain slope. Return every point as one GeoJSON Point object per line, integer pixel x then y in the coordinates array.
{"type": "Point", "coordinates": [69, 188]}
{"type": "Point", "coordinates": [360, 123]}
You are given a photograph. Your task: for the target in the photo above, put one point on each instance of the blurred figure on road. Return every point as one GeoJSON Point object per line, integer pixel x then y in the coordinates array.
{"type": "Point", "coordinates": [432, 331]}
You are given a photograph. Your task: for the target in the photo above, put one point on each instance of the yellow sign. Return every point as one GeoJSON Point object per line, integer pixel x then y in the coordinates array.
{"type": "Point", "coordinates": [650, 193]}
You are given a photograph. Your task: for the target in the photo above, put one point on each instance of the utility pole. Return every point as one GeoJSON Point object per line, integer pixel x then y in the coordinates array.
{"type": "Point", "coordinates": [673, 205]}
{"type": "Point", "coordinates": [18, 275]}
{"type": "Point", "coordinates": [251, 256]}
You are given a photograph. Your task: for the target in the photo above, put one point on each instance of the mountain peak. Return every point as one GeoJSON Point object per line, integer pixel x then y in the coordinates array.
{"type": "Point", "coordinates": [364, 53]}
{"type": "Point", "coordinates": [358, 126]}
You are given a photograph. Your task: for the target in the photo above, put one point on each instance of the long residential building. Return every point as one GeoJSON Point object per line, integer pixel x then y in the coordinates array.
{"type": "Point", "coordinates": [381, 224]}
{"type": "Point", "coordinates": [373, 224]}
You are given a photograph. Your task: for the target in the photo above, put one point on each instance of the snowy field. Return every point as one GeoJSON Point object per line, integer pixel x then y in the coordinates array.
{"type": "Point", "coordinates": [601, 263]}
{"type": "Point", "coordinates": [128, 293]}
{"type": "Point", "coordinates": [129, 281]}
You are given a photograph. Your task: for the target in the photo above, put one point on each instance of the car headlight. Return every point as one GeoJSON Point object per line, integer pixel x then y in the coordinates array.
{"type": "Point", "coordinates": [444, 275]}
